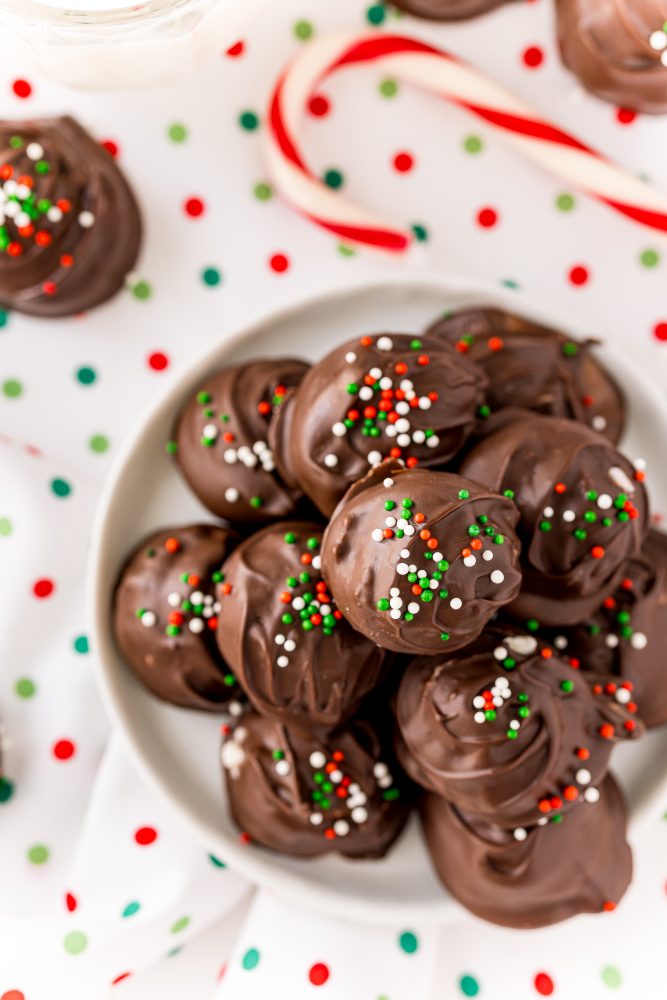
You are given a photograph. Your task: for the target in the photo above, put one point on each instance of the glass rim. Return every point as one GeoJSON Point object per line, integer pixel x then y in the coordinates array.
{"type": "Point", "coordinates": [63, 16]}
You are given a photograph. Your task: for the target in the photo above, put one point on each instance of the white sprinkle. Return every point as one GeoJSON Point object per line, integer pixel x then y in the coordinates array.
{"type": "Point", "coordinates": [500, 653]}
{"type": "Point", "coordinates": [583, 776]}
{"type": "Point", "coordinates": [394, 592]}
{"type": "Point", "coordinates": [317, 562]}
{"type": "Point", "coordinates": [331, 461]}
{"type": "Point", "coordinates": [385, 782]}
{"type": "Point", "coordinates": [232, 755]}
{"type": "Point", "coordinates": [34, 151]}
{"type": "Point", "coordinates": [591, 795]}
{"type": "Point", "coordinates": [54, 214]}
{"type": "Point", "coordinates": [560, 642]}
{"type": "Point", "coordinates": [339, 429]}
{"type": "Point", "coordinates": [289, 646]}
{"type": "Point", "coordinates": [421, 573]}
{"type": "Point", "coordinates": [403, 440]}
{"type": "Point", "coordinates": [418, 437]}
{"type": "Point", "coordinates": [638, 640]}
{"type": "Point", "coordinates": [479, 717]}
{"type": "Point", "coordinates": [386, 382]}
{"type": "Point", "coordinates": [390, 521]}
{"type": "Point", "coordinates": [341, 827]}
{"type": "Point", "coordinates": [402, 425]}
{"type": "Point", "coordinates": [231, 494]}
{"type": "Point", "coordinates": [478, 701]}
{"type": "Point", "coordinates": [377, 535]}
{"type": "Point", "coordinates": [520, 833]}
{"type": "Point", "coordinates": [663, 58]}
{"type": "Point", "coordinates": [230, 455]}
{"type": "Point", "coordinates": [196, 597]}
{"type": "Point", "coordinates": [385, 343]}
{"type": "Point", "coordinates": [514, 724]}
{"type": "Point", "coordinates": [374, 458]}
{"type": "Point", "coordinates": [402, 569]}
{"type": "Point", "coordinates": [317, 759]}
{"type": "Point", "coordinates": [413, 607]}
{"type": "Point", "coordinates": [569, 516]}
{"type": "Point", "coordinates": [396, 602]}
{"type": "Point", "coordinates": [316, 818]}
{"type": "Point", "coordinates": [298, 604]}
{"type": "Point", "coordinates": [22, 219]}
{"type": "Point", "coordinates": [437, 557]}
{"type": "Point", "coordinates": [390, 431]}
{"type": "Point", "coordinates": [640, 463]}
{"type": "Point", "coordinates": [210, 432]}
{"type": "Point", "coordinates": [487, 555]}
{"type": "Point", "coordinates": [658, 40]}
{"type": "Point", "coordinates": [148, 619]}
{"type": "Point", "coordinates": [469, 561]}
{"type": "Point", "coordinates": [388, 483]}
{"type": "Point", "coordinates": [283, 661]}
{"type": "Point", "coordinates": [424, 403]}
{"type": "Point", "coordinates": [502, 682]}
{"type": "Point", "coordinates": [542, 821]}
{"type": "Point", "coordinates": [497, 576]}
{"type": "Point", "coordinates": [395, 614]}
{"type": "Point", "coordinates": [86, 219]}
{"type": "Point", "coordinates": [336, 776]}
{"type": "Point", "coordinates": [366, 392]}
{"type": "Point", "coordinates": [599, 422]}
{"type": "Point", "coordinates": [456, 603]}
{"type": "Point", "coordinates": [350, 357]}
{"type": "Point", "coordinates": [196, 625]}
{"type": "Point", "coordinates": [402, 407]}
{"type": "Point", "coordinates": [174, 600]}
{"type": "Point", "coordinates": [548, 512]}
{"type": "Point", "coordinates": [433, 441]}
{"type": "Point", "coordinates": [380, 770]}
{"type": "Point", "coordinates": [524, 645]}
{"type": "Point", "coordinates": [359, 814]}
{"type": "Point", "coordinates": [235, 708]}
{"type": "Point", "coordinates": [604, 501]}
{"type": "Point", "coordinates": [280, 639]}
{"type": "Point", "coordinates": [405, 553]}
{"type": "Point", "coordinates": [283, 768]}
{"type": "Point", "coordinates": [611, 641]}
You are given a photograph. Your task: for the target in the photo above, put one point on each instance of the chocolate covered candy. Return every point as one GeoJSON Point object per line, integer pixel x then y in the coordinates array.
{"type": "Point", "coordinates": [447, 10]}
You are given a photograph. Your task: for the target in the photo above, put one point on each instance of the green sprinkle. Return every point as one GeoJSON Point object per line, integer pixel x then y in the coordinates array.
{"type": "Point", "coordinates": [474, 530]}
{"type": "Point", "coordinates": [532, 624]}
{"type": "Point", "coordinates": [545, 525]}
{"type": "Point", "coordinates": [383, 604]}
{"type": "Point", "coordinates": [484, 411]}
{"type": "Point", "coordinates": [464, 494]}
{"type": "Point", "coordinates": [590, 516]}
{"type": "Point", "coordinates": [509, 663]}
{"type": "Point", "coordinates": [203, 397]}
{"type": "Point", "coordinates": [579, 534]}
{"type": "Point", "coordinates": [389, 505]}
{"type": "Point", "coordinates": [256, 502]}
{"type": "Point", "coordinates": [509, 494]}
{"type": "Point", "coordinates": [416, 344]}
{"type": "Point", "coordinates": [570, 349]}
{"type": "Point", "coordinates": [567, 686]}
{"type": "Point", "coordinates": [290, 538]}
{"type": "Point", "coordinates": [490, 714]}
{"type": "Point", "coordinates": [171, 447]}
{"type": "Point", "coordinates": [512, 734]}
{"type": "Point", "coordinates": [313, 543]}
{"type": "Point", "coordinates": [444, 636]}
{"type": "Point", "coordinates": [498, 539]}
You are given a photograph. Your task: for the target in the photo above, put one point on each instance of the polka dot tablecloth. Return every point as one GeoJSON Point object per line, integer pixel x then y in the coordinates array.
{"type": "Point", "coordinates": [104, 894]}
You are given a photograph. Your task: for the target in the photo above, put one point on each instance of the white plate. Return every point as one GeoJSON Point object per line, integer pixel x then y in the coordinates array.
{"type": "Point", "coordinates": [178, 750]}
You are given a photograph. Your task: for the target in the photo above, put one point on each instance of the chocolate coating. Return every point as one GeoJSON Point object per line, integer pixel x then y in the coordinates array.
{"type": "Point", "coordinates": [533, 367]}
{"type": "Point", "coordinates": [627, 636]}
{"type": "Point", "coordinates": [306, 796]}
{"type": "Point", "coordinates": [164, 624]}
{"type": "Point", "coordinates": [617, 49]}
{"type": "Point", "coordinates": [397, 524]}
{"type": "Point", "coordinates": [447, 10]}
{"type": "Point", "coordinates": [221, 441]}
{"type": "Point", "coordinates": [507, 730]}
{"type": "Point", "coordinates": [70, 229]}
{"type": "Point", "coordinates": [295, 656]}
{"type": "Point", "coordinates": [583, 512]}
{"type": "Point", "coordinates": [391, 395]}
{"type": "Point", "coordinates": [582, 865]}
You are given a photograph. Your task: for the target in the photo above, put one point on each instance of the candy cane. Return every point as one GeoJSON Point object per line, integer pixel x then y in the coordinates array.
{"type": "Point", "coordinates": [441, 73]}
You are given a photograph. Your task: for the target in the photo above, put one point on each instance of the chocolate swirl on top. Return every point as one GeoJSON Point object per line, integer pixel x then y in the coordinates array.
{"type": "Point", "coordinates": [447, 10]}
{"type": "Point", "coordinates": [295, 656]}
{"type": "Point", "coordinates": [509, 731]}
{"type": "Point", "coordinates": [418, 559]}
{"type": "Point", "coordinates": [617, 49]}
{"type": "Point", "coordinates": [583, 512]}
{"type": "Point", "coordinates": [70, 228]}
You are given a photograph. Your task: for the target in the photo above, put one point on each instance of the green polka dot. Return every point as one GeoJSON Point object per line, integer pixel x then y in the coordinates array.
{"type": "Point", "coordinates": [649, 258]}
{"type": "Point", "coordinates": [611, 977]}
{"type": "Point", "coordinates": [6, 790]}
{"type": "Point", "coordinates": [176, 950]}
{"type": "Point", "coordinates": [75, 942]}
{"type": "Point", "coordinates": [5, 526]}
{"type": "Point", "coordinates": [248, 120]}
{"type": "Point", "coordinates": [38, 854]}
{"type": "Point", "coordinates": [345, 251]}
{"type": "Point", "coordinates": [376, 14]}
{"type": "Point", "coordinates": [12, 388]}
{"type": "Point", "coordinates": [24, 687]}
{"type": "Point", "coordinates": [177, 132]}
{"type": "Point", "coordinates": [180, 925]}
{"type": "Point", "coordinates": [473, 144]}
{"type": "Point", "coordinates": [389, 88]}
{"type": "Point", "coordinates": [565, 202]}
{"type": "Point", "coordinates": [303, 30]}
{"type": "Point", "coordinates": [408, 942]}
{"type": "Point", "coordinates": [216, 862]}
{"type": "Point", "coordinates": [510, 283]}
{"type": "Point", "coordinates": [420, 232]}
{"type": "Point", "coordinates": [142, 291]}
{"type": "Point", "coordinates": [98, 443]}
{"type": "Point", "coordinates": [334, 179]}
{"type": "Point", "coordinates": [211, 276]}
{"type": "Point", "coordinates": [263, 191]}
{"type": "Point", "coordinates": [60, 487]}
{"type": "Point", "coordinates": [251, 959]}
{"type": "Point", "coordinates": [4, 318]}
{"type": "Point", "coordinates": [86, 376]}
{"type": "Point", "coordinates": [81, 644]}
{"type": "Point", "coordinates": [131, 909]}
{"type": "Point", "coordinates": [468, 986]}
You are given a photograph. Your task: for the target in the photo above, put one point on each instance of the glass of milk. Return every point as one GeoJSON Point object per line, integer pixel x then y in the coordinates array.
{"type": "Point", "coordinates": [114, 43]}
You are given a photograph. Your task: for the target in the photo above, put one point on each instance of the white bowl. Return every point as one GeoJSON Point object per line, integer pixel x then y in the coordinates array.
{"type": "Point", "coordinates": [177, 750]}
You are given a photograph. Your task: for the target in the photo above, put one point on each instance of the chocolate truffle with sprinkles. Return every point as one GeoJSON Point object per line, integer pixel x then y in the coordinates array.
{"type": "Point", "coordinates": [533, 367]}
{"type": "Point", "coordinates": [418, 560]}
{"type": "Point", "coordinates": [583, 512]}
{"type": "Point", "coordinates": [166, 613]}
{"type": "Point", "coordinates": [627, 636]}
{"type": "Point", "coordinates": [305, 796]}
{"type": "Point", "coordinates": [222, 441]}
{"type": "Point", "coordinates": [509, 731]}
{"type": "Point", "coordinates": [447, 10]}
{"type": "Point", "coordinates": [70, 228]}
{"type": "Point", "coordinates": [295, 656]}
{"type": "Point", "coordinates": [536, 876]}
{"type": "Point", "coordinates": [377, 397]}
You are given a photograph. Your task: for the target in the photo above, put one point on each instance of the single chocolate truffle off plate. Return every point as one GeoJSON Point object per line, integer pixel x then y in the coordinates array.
{"type": "Point", "coordinates": [447, 10]}
{"type": "Point", "coordinates": [295, 656]}
{"type": "Point", "coordinates": [419, 560]}
{"type": "Point", "coordinates": [70, 228]}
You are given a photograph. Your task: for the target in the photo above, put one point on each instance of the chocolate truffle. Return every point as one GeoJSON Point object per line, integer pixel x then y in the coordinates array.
{"type": "Point", "coordinates": [386, 396]}
{"type": "Point", "coordinates": [617, 49]}
{"type": "Point", "coordinates": [416, 558]}
{"type": "Point", "coordinates": [447, 10]}
{"type": "Point", "coordinates": [295, 656]}
{"type": "Point", "coordinates": [70, 228]}
{"type": "Point", "coordinates": [627, 636]}
{"type": "Point", "coordinates": [533, 367]}
{"type": "Point", "coordinates": [165, 616]}
{"type": "Point", "coordinates": [583, 512]}
{"type": "Point", "coordinates": [507, 730]}
{"type": "Point", "coordinates": [221, 441]}
{"type": "Point", "coordinates": [537, 876]}
{"type": "Point", "coordinates": [305, 796]}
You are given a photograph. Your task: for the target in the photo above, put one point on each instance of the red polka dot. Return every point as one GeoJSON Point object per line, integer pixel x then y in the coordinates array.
{"type": "Point", "coordinates": [319, 105]}
{"type": "Point", "coordinates": [194, 207]}
{"type": "Point", "coordinates": [487, 218]}
{"type": "Point", "coordinates": [235, 50]}
{"type": "Point", "coordinates": [660, 331]}
{"type": "Point", "coordinates": [544, 984]}
{"type": "Point", "coordinates": [70, 902]}
{"type": "Point", "coordinates": [625, 116]}
{"type": "Point", "coordinates": [13, 995]}
{"type": "Point", "coordinates": [63, 749]}
{"type": "Point", "coordinates": [158, 361]}
{"type": "Point", "coordinates": [223, 970]}
{"type": "Point", "coordinates": [403, 162]}
{"type": "Point", "coordinates": [318, 974]}
{"type": "Point", "coordinates": [533, 56]}
{"type": "Point", "coordinates": [120, 978]}
{"type": "Point", "coordinates": [22, 88]}
{"type": "Point", "coordinates": [279, 263]}
{"type": "Point", "coordinates": [145, 835]}
{"type": "Point", "coordinates": [43, 588]}
{"type": "Point", "coordinates": [110, 146]}
{"type": "Point", "coordinates": [579, 275]}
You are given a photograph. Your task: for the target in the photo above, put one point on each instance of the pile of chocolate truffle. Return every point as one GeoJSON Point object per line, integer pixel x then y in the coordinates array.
{"type": "Point", "coordinates": [431, 586]}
